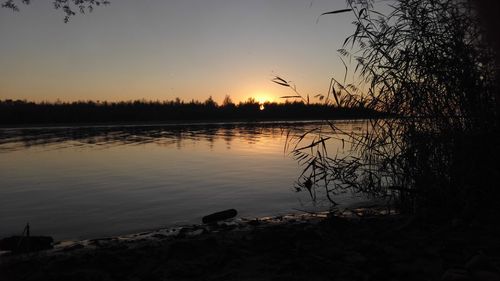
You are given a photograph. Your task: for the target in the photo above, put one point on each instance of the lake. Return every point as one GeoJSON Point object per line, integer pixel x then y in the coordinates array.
{"type": "Point", "coordinates": [96, 181]}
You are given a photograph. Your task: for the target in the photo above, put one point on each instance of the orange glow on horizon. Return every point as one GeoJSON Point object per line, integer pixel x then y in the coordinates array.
{"type": "Point", "coordinates": [262, 97]}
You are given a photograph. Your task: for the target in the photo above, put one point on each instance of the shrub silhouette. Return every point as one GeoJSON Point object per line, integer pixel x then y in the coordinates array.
{"type": "Point", "coordinates": [427, 65]}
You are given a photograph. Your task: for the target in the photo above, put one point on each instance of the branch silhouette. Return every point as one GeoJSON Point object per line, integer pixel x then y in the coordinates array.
{"type": "Point", "coordinates": [69, 7]}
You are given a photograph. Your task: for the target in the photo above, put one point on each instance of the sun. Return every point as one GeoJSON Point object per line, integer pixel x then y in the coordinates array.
{"type": "Point", "coordinates": [262, 98]}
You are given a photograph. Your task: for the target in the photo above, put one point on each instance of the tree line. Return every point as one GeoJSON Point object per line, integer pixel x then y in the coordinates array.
{"type": "Point", "coordinates": [28, 112]}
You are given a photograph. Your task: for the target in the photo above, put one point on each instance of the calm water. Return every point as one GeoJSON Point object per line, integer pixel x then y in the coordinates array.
{"type": "Point", "coordinates": [97, 181]}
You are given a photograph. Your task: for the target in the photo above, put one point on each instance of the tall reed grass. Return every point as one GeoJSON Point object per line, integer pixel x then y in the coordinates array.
{"type": "Point", "coordinates": [426, 64]}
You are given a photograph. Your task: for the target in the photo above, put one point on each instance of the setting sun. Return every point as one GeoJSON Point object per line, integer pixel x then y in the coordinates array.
{"type": "Point", "coordinates": [262, 98]}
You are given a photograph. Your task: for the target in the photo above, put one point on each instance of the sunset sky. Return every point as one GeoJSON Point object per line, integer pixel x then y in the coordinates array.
{"type": "Point", "coordinates": [158, 50]}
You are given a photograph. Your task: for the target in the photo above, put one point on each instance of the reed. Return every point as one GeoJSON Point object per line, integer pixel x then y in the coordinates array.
{"type": "Point", "coordinates": [425, 64]}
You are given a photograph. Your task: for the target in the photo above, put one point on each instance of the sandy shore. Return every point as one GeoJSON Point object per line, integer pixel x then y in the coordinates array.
{"type": "Point", "coordinates": [299, 247]}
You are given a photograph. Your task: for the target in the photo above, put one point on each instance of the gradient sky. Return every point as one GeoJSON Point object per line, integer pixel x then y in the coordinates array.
{"type": "Point", "coordinates": [157, 50]}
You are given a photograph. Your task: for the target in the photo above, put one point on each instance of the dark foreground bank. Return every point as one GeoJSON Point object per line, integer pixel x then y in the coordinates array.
{"type": "Point", "coordinates": [291, 248]}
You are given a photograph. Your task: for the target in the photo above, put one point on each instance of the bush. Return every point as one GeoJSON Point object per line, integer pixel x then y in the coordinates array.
{"type": "Point", "coordinates": [427, 65]}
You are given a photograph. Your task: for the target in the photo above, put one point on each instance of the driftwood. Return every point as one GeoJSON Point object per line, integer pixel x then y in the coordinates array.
{"type": "Point", "coordinates": [220, 216]}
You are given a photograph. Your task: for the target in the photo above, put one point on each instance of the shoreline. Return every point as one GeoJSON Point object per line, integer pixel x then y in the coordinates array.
{"type": "Point", "coordinates": [346, 210]}
{"type": "Point", "coordinates": [367, 246]}
{"type": "Point", "coordinates": [170, 123]}
{"type": "Point", "coordinates": [178, 231]}
{"type": "Point", "coordinates": [175, 231]}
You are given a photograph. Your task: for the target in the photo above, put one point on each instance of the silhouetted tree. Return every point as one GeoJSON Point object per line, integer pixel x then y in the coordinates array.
{"type": "Point", "coordinates": [228, 102]}
{"type": "Point", "coordinates": [69, 7]}
{"type": "Point", "coordinates": [210, 103]}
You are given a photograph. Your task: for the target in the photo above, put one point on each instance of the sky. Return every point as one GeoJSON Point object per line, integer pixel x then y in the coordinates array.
{"type": "Point", "coordinates": [160, 50]}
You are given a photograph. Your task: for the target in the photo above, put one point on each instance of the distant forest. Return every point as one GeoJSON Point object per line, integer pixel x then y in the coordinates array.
{"type": "Point", "coordinates": [26, 112]}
